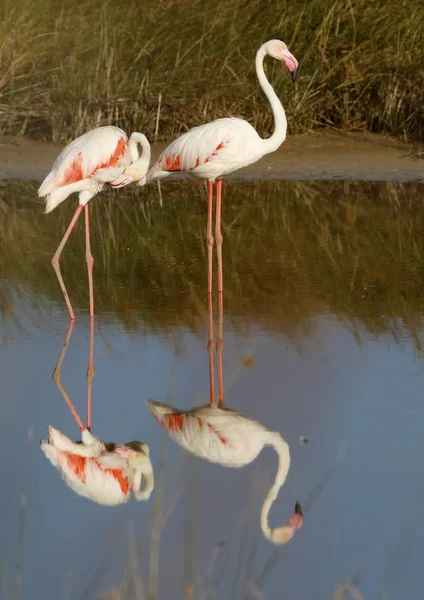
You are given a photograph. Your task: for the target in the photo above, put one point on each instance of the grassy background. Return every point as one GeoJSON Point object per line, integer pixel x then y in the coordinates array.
{"type": "Point", "coordinates": [67, 67]}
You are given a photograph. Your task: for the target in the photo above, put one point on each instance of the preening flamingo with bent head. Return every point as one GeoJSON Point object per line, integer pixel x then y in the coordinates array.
{"type": "Point", "coordinates": [221, 435]}
{"type": "Point", "coordinates": [85, 166]}
{"type": "Point", "coordinates": [103, 472]}
{"type": "Point", "coordinates": [224, 146]}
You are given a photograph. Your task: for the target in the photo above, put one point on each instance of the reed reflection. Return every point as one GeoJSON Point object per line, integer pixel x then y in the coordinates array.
{"type": "Point", "coordinates": [323, 250]}
{"type": "Point", "coordinates": [221, 435]}
{"type": "Point", "coordinates": [103, 472]}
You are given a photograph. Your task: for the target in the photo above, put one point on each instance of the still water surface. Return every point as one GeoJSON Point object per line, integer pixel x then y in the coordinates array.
{"type": "Point", "coordinates": [323, 303]}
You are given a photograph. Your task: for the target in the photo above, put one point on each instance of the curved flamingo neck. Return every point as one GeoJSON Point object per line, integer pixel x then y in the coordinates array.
{"type": "Point", "coordinates": [277, 138]}
{"type": "Point", "coordinates": [140, 164]}
{"type": "Point", "coordinates": [281, 447]}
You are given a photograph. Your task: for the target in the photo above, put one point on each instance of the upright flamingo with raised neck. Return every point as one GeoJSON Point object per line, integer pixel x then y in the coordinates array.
{"type": "Point", "coordinates": [223, 146]}
{"type": "Point", "coordinates": [221, 435]}
{"type": "Point", "coordinates": [85, 166]}
{"type": "Point", "coordinates": [103, 472]}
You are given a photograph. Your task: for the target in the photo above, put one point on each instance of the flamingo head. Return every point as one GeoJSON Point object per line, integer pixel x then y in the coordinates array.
{"type": "Point", "coordinates": [281, 535]}
{"type": "Point", "coordinates": [138, 447]}
{"type": "Point", "coordinates": [278, 49]}
{"type": "Point", "coordinates": [134, 172]}
{"type": "Point", "coordinates": [133, 450]}
{"type": "Point", "coordinates": [137, 454]}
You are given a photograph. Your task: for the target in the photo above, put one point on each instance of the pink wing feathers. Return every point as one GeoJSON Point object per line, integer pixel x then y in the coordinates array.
{"type": "Point", "coordinates": [100, 154]}
{"type": "Point", "coordinates": [105, 478]}
{"type": "Point", "coordinates": [213, 142]}
{"type": "Point", "coordinates": [199, 431]}
{"type": "Point", "coordinates": [217, 434]}
{"type": "Point", "coordinates": [189, 426]}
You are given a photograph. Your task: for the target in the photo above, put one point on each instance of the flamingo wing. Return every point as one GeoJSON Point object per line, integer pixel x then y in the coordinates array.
{"type": "Point", "coordinates": [217, 434]}
{"type": "Point", "coordinates": [193, 433]}
{"type": "Point", "coordinates": [196, 431]}
{"type": "Point", "coordinates": [100, 154]}
{"type": "Point", "coordinates": [216, 146]}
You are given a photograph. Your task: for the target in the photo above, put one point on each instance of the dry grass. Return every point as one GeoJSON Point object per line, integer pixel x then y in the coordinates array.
{"type": "Point", "coordinates": [68, 67]}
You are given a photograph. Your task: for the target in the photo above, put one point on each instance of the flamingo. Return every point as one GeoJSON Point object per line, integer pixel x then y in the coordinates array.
{"type": "Point", "coordinates": [85, 166]}
{"type": "Point", "coordinates": [103, 472]}
{"type": "Point", "coordinates": [221, 435]}
{"type": "Point", "coordinates": [223, 146]}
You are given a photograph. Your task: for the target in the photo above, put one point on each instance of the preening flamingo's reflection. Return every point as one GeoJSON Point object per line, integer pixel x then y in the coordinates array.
{"type": "Point", "coordinates": [221, 435]}
{"type": "Point", "coordinates": [103, 472]}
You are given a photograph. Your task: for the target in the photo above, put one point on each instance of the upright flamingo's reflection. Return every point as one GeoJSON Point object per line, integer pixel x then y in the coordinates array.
{"type": "Point", "coordinates": [221, 435]}
{"type": "Point", "coordinates": [103, 472]}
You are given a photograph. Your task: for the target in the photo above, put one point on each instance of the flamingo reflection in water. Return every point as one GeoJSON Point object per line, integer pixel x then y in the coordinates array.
{"type": "Point", "coordinates": [221, 435]}
{"type": "Point", "coordinates": [103, 472]}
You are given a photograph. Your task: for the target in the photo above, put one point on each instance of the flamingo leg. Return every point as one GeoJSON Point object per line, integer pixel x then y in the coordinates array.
{"type": "Point", "coordinates": [209, 235]}
{"type": "Point", "coordinates": [90, 260]}
{"type": "Point", "coordinates": [90, 373]}
{"type": "Point", "coordinates": [58, 382]}
{"type": "Point", "coordinates": [219, 347]}
{"type": "Point", "coordinates": [210, 352]}
{"type": "Point", "coordinates": [218, 235]}
{"type": "Point", "coordinates": [56, 257]}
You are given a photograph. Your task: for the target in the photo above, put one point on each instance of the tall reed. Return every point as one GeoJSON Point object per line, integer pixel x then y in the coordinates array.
{"type": "Point", "coordinates": [68, 67]}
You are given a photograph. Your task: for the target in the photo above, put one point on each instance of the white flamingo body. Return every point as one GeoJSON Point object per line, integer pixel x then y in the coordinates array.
{"type": "Point", "coordinates": [217, 434]}
{"type": "Point", "coordinates": [90, 161]}
{"type": "Point", "coordinates": [103, 476]}
{"type": "Point", "coordinates": [105, 480]}
{"type": "Point", "coordinates": [210, 150]}
{"type": "Point", "coordinates": [224, 436]}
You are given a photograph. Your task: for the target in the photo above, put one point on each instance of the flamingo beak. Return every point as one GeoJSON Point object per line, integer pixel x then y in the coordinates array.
{"type": "Point", "coordinates": [296, 520]}
{"type": "Point", "coordinates": [291, 63]}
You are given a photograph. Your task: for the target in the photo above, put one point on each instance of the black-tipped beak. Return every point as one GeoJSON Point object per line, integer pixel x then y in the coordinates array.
{"type": "Point", "coordinates": [293, 75]}
{"type": "Point", "coordinates": [298, 510]}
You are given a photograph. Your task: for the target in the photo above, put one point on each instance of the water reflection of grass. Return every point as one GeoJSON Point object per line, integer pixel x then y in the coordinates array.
{"type": "Point", "coordinates": [69, 69]}
{"type": "Point", "coordinates": [292, 252]}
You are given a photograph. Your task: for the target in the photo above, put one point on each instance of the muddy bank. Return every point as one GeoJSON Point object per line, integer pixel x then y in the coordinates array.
{"type": "Point", "coordinates": [314, 156]}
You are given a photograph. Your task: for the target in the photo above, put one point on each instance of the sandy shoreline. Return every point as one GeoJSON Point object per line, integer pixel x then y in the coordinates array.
{"type": "Point", "coordinates": [313, 156]}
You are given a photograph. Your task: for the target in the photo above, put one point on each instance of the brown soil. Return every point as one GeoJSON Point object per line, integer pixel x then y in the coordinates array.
{"type": "Point", "coordinates": [321, 155]}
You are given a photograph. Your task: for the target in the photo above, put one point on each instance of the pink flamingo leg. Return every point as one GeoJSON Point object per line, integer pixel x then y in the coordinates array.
{"type": "Point", "coordinates": [56, 257]}
{"type": "Point", "coordinates": [90, 373]}
{"type": "Point", "coordinates": [57, 380]}
{"type": "Point", "coordinates": [209, 235]}
{"type": "Point", "coordinates": [218, 235]}
{"type": "Point", "coordinates": [210, 352]}
{"type": "Point", "coordinates": [219, 346]}
{"type": "Point", "coordinates": [90, 260]}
